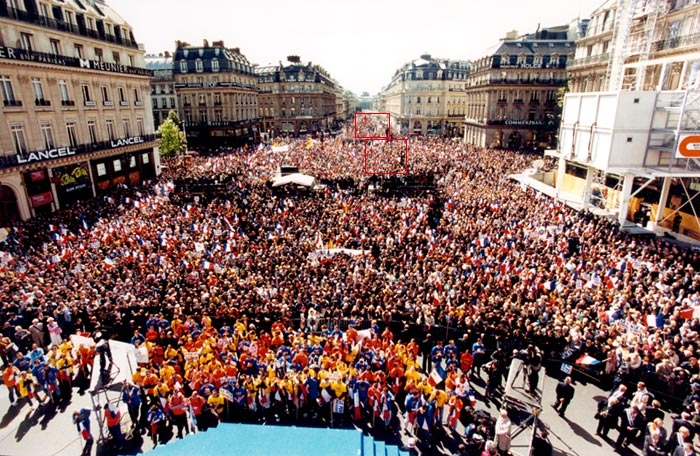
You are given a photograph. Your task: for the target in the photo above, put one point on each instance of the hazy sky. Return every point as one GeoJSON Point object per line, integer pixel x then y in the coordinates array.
{"type": "Point", "coordinates": [361, 43]}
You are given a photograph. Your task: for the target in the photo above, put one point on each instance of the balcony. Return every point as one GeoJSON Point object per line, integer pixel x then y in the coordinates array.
{"type": "Point", "coordinates": [138, 103]}
{"type": "Point", "coordinates": [108, 103]}
{"type": "Point", "coordinates": [518, 101]}
{"type": "Point", "coordinates": [502, 101]}
{"type": "Point", "coordinates": [12, 103]}
{"type": "Point", "coordinates": [67, 103]}
{"type": "Point", "coordinates": [10, 161]}
{"type": "Point", "coordinates": [48, 22]}
{"type": "Point", "coordinates": [42, 102]}
{"type": "Point", "coordinates": [123, 103]}
{"type": "Point", "coordinates": [90, 103]}
{"type": "Point", "coordinates": [674, 43]}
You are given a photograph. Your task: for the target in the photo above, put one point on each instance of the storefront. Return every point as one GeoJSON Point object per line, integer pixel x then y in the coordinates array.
{"type": "Point", "coordinates": [72, 183]}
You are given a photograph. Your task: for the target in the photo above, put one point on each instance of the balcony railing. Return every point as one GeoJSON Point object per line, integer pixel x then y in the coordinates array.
{"type": "Point", "coordinates": [123, 103]}
{"type": "Point", "coordinates": [674, 43]}
{"type": "Point", "coordinates": [532, 81]}
{"type": "Point", "coordinates": [42, 102]}
{"type": "Point", "coordinates": [138, 103]}
{"type": "Point", "coordinates": [10, 161]}
{"type": "Point", "coordinates": [90, 103]}
{"type": "Point", "coordinates": [108, 103]}
{"type": "Point", "coordinates": [48, 22]}
{"type": "Point", "coordinates": [599, 59]}
{"type": "Point", "coordinates": [12, 103]}
{"type": "Point", "coordinates": [67, 103]}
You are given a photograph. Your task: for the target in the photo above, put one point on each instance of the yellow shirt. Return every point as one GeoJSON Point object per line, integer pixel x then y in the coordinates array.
{"type": "Point", "coordinates": [217, 403]}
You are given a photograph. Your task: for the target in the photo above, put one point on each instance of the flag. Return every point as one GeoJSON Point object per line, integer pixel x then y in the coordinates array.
{"type": "Point", "coordinates": [436, 298]}
{"type": "Point", "coordinates": [586, 360]}
{"type": "Point", "coordinates": [436, 377]}
{"type": "Point", "coordinates": [53, 228]}
{"type": "Point", "coordinates": [356, 412]}
{"type": "Point", "coordinates": [86, 227]}
{"type": "Point", "coordinates": [226, 394]}
{"type": "Point", "coordinates": [207, 265]}
{"type": "Point", "coordinates": [325, 397]}
{"type": "Point", "coordinates": [109, 263]}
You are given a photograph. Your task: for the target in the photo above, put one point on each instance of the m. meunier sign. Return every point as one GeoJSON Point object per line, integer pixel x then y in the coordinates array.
{"type": "Point", "coordinates": [42, 57]}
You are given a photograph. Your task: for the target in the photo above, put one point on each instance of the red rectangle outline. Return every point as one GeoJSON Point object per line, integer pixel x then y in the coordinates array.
{"type": "Point", "coordinates": [364, 155]}
{"type": "Point", "coordinates": [372, 137]}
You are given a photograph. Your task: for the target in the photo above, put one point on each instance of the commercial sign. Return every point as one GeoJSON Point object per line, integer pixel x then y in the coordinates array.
{"type": "Point", "coordinates": [688, 146]}
{"type": "Point", "coordinates": [41, 199]}
{"type": "Point", "coordinates": [45, 155]}
{"type": "Point", "coordinates": [126, 141]}
{"type": "Point", "coordinates": [52, 59]}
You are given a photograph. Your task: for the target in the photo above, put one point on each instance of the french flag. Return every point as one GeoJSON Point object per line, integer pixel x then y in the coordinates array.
{"type": "Point", "coordinates": [109, 263]}
{"type": "Point", "coordinates": [53, 228]}
{"type": "Point", "coordinates": [436, 377]}
{"type": "Point", "coordinates": [356, 412]}
{"type": "Point", "coordinates": [207, 265]}
{"type": "Point", "coordinates": [325, 397]}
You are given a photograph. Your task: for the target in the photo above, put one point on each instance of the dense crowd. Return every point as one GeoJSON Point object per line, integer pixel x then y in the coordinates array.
{"type": "Point", "coordinates": [261, 306]}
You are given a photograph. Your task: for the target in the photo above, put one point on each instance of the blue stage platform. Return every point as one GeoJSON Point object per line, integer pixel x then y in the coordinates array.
{"type": "Point", "coordinates": [256, 440]}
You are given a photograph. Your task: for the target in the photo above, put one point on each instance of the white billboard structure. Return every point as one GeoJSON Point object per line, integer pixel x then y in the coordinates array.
{"type": "Point", "coordinates": [638, 137]}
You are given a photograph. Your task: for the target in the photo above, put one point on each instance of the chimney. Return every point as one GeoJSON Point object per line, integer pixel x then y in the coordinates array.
{"type": "Point", "coordinates": [293, 58]}
{"type": "Point", "coordinates": [166, 54]}
{"type": "Point", "coordinates": [219, 43]}
{"type": "Point", "coordinates": [237, 50]}
{"type": "Point", "coordinates": [205, 43]}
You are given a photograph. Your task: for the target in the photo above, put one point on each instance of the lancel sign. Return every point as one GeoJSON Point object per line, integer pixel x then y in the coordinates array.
{"type": "Point", "coordinates": [126, 141]}
{"type": "Point", "coordinates": [45, 155]}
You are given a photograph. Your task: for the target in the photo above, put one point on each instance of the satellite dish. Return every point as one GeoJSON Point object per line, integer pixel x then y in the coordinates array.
{"type": "Point", "coordinates": [538, 164]}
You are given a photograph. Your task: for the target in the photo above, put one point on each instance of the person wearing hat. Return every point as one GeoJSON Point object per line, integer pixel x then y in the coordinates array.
{"type": "Point", "coordinates": [503, 430]}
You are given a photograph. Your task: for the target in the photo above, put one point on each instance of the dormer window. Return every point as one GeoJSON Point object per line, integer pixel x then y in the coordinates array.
{"type": "Point", "coordinates": [199, 67]}
{"type": "Point", "coordinates": [214, 65]}
{"type": "Point", "coordinates": [183, 66]}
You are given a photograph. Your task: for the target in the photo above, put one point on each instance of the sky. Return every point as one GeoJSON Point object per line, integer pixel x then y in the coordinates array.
{"type": "Point", "coordinates": [361, 43]}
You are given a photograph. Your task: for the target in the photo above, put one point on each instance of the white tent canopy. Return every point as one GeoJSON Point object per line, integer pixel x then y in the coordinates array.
{"type": "Point", "coordinates": [296, 178]}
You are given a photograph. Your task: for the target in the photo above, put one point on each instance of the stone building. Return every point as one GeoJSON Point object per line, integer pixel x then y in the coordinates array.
{"type": "Point", "coordinates": [75, 117]}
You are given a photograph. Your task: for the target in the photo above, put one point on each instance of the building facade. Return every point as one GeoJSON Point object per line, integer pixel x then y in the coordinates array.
{"type": "Point", "coordinates": [512, 94]}
{"type": "Point", "coordinates": [76, 116]}
{"type": "Point", "coordinates": [162, 86]}
{"type": "Point", "coordinates": [297, 99]}
{"type": "Point", "coordinates": [427, 96]}
{"type": "Point", "coordinates": [650, 45]}
{"type": "Point", "coordinates": [216, 93]}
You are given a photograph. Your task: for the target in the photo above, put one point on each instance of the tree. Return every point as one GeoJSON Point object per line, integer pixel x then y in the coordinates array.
{"type": "Point", "coordinates": [172, 139]}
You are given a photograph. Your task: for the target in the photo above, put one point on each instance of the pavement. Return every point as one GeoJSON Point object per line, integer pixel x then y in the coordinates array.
{"type": "Point", "coordinates": [49, 431]}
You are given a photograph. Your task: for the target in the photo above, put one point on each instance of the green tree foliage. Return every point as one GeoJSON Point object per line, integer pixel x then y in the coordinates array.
{"type": "Point", "coordinates": [172, 139]}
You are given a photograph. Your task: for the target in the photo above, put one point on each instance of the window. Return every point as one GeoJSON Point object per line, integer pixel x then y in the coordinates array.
{"type": "Point", "coordinates": [78, 51]}
{"type": "Point", "coordinates": [55, 47]}
{"type": "Point", "coordinates": [131, 60]}
{"type": "Point", "coordinates": [122, 96]}
{"type": "Point", "coordinates": [183, 66]}
{"type": "Point", "coordinates": [47, 134]}
{"type": "Point", "coordinates": [69, 17]}
{"type": "Point", "coordinates": [132, 161]}
{"type": "Point", "coordinates": [99, 55]}
{"type": "Point", "coordinates": [92, 130]}
{"type": "Point", "coordinates": [172, 103]}
{"type": "Point", "coordinates": [139, 126]}
{"type": "Point", "coordinates": [202, 100]}
{"type": "Point", "coordinates": [105, 96]}
{"type": "Point", "coordinates": [17, 132]}
{"type": "Point", "coordinates": [126, 127]}
{"type": "Point", "coordinates": [87, 99]}
{"type": "Point", "coordinates": [117, 165]}
{"type": "Point", "coordinates": [63, 91]}
{"type": "Point", "coordinates": [72, 133]}
{"type": "Point", "coordinates": [101, 169]}
{"type": "Point", "coordinates": [156, 105]}
{"type": "Point", "coordinates": [38, 92]}
{"type": "Point", "coordinates": [215, 65]}
{"type": "Point", "coordinates": [8, 95]}
{"type": "Point", "coordinates": [217, 98]}
{"type": "Point", "coordinates": [116, 58]}
{"type": "Point", "coordinates": [137, 98]}
{"type": "Point", "coordinates": [44, 9]}
{"type": "Point", "coordinates": [203, 116]}
{"type": "Point", "coordinates": [26, 41]}
{"type": "Point", "coordinates": [110, 129]}
{"type": "Point", "coordinates": [199, 67]}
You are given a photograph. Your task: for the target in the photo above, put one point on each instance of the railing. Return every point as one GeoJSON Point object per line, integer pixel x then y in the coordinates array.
{"type": "Point", "coordinates": [13, 103]}
{"type": "Point", "coordinates": [42, 102]}
{"type": "Point", "coordinates": [590, 60]}
{"type": "Point", "coordinates": [673, 43]}
{"type": "Point", "coordinates": [67, 103]}
{"type": "Point", "coordinates": [535, 80]}
{"type": "Point", "coordinates": [10, 161]}
{"type": "Point", "coordinates": [44, 21]}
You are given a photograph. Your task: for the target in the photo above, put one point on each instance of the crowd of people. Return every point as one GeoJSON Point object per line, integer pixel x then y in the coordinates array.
{"type": "Point", "coordinates": [318, 307]}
